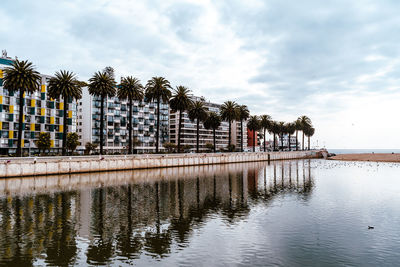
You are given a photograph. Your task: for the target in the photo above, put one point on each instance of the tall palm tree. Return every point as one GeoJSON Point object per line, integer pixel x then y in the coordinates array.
{"type": "Point", "coordinates": [158, 89]}
{"type": "Point", "coordinates": [198, 112]}
{"type": "Point", "coordinates": [282, 131]}
{"type": "Point", "coordinates": [309, 131]}
{"type": "Point", "coordinates": [102, 85]}
{"type": "Point", "coordinates": [274, 129]}
{"type": "Point", "coordinates": [64, 84]}
{"type": "Point", "coordinates": [290, 129]}
{"type": "Point", "coordinates": [21, 77]}
{"type": "Point", "coordinates": [304, 122]}
{"type": "Point", "coordinates": [253, 125]}
{"type": "Point", "coordinates": [213, 121]}
{"type": "Point", "coordinates": [180, 101]}
{"type": "Point", "coordinates": [265, 124]}
{"type": "Point", "coordinates": [132, 90]}
{"type": "Point", "coordinates": [228, 113]}
{"type": "Point", "coordinates": [243, 114]}
{"type": "Point", "coordinates": [298, 128]}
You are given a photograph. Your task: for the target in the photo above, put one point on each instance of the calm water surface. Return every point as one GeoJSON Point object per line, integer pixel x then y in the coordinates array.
{"type": "Point", "coordinates": [289, 213]}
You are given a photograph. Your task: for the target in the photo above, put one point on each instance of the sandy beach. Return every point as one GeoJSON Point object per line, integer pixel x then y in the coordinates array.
{"type": "Point", "coordinates": [377, 157]}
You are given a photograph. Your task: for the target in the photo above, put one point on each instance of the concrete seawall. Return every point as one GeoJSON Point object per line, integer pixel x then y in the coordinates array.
{"type": "Point", "coordinates": [17, 167]}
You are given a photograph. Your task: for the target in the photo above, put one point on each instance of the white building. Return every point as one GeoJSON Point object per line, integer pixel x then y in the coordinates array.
{"type": "Point", "coordinates": [144, 124]}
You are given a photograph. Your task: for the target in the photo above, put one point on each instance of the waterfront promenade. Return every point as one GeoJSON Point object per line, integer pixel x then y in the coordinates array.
{"type": "Point", "coordinates": [16, 167]}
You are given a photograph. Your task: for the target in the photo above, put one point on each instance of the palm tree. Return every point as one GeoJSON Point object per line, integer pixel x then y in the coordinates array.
{"type": "Point", "coordinates": [229, 113]}
{"type": "Point", "coordinates": [265, 124]}
{"type": "Point", "coordinates": [309, 131]}
{"type": "Point", "coordinates": [282, 130]}
{"type": "Point", "coordinates": [274, 129]}
{"type": "Point", "coordinates": [243, 114]}
{"type": "Point", "coordinates": [290, 129]}
{"type": "Point", "coordinates": [304, 122]}
{"type": "Point", "coordinates": [298, 128]}
{"type": "Point", "coordinates": [132, 90]}
{"type": "Point", "coordinates": [198, 112]}
{"type": "Point", "coordinates": [158, 89]}
{"type": "Point", "coordinates": [21, 77]}
{"type": "Point", "coordinates": [64, 84]}
{"type": "Point", "coordinates": [213, 121]}
{"type": "Point", "coordinates": [102, 85]}
{"type": "Point", "coordinates": [253, 125]}
{"type": "Point", "coordinates": [180, 101]}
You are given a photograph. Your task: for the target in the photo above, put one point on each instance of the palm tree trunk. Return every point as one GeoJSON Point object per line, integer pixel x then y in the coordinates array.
{"type": "Point", "coordinates": [308, 142]}
{"type": "Point", "coordinates": [179, 131]}
{"type": "Point", "coordinates": [264, 138]}
{"type": "Point", "coordinates": [130, 151]}
{"type": "Point", "coordinates": [198, 134]}
{"type": "Point", "coordinates": [303, 141]}
{"type": "Point", "coordinates": [20, 122]}
{"type": "Point", "coordinates": [158, 124]}
{"type": "Point", "coordinates": [274, 142]}
{"type": "Point", "coordinates": [282, 140]}
{"type": "Point", "coordinates": [229, 140]}
{"type": "Point", "coordinates": [101, 124]}
{"type": "Point", "coordinates": [254, 140]}
{"type": "Point", "coordinates": [297, 140]}
{"type": "Point", "coordinates": [289, 144]}
{"type": "Point", "coordinates": [215, 146]}
{"type": "Point", "coordinates": [241, 135]}
{"type": "Point", "coordinates": [65, 127]}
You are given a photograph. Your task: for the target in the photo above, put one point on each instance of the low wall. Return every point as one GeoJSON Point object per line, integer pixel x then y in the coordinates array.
{"type": "Point", "coordinates": [16, 167]}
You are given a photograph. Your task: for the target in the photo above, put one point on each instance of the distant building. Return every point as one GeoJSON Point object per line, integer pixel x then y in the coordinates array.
{"type": "Point", "coordinates": [42, 114]}
{"type": "Point", "coordinates": [250, 139]}
{"type": "Point", "coordinates": [236, 137]}
{"type": "Point", "coordinates": [286, 141]}
{"type": "Point", "coordinates": [144, 124]}
{"type": "Point", "coordinates": [189, 129]}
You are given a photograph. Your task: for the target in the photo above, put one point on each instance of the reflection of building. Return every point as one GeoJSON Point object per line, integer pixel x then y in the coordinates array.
{"type": "Point", "coordinates": [144, 123]}
{"type": "Point", "coordinates": [41, 114]}
{"type": "Point", "coordinates": [189, 129]}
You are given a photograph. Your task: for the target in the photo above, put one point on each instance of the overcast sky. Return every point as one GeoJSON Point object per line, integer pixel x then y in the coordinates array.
{"type": "Point", "coordinates": [335, 61]}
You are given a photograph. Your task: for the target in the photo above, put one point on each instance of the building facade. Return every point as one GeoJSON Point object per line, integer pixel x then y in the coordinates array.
{"type": "Point", "coordinates": [189, 129]}
{"type": "Point", "coordinates": [144, 124]}
{"type": "Point", "coordinates": [41, 114]}
{"type": "Point", "coordinates": [236, 135]}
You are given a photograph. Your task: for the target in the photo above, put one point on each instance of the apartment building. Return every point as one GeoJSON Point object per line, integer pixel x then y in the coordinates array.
{"type": "Point", "coordinates": [144, 123]}
{"type": "Point", "coordinates": [41, 114]}
{"type": "Point", "coordinates": [189, 129]}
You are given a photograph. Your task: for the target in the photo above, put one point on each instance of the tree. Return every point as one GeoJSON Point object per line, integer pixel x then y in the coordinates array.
{"type": "Point", "coordinates": [43, 142]}
{"type": "Point", "coordinates": [243, 114]}
{"type": "Point", "coordinates": [265, 124]}
{"type": "Point", "coordinates": [229, 113]}
{"type": "Point", "coordinates": [254, 125]}
{"type": "Point", "coordinates": [304, 122]}
{"type": "Point", "coordinates": [23, 78]}
{"type": "Point", "coordinates": [298, 128]}
{"type": "Point", "coordinates": [290, 128]}
{"type": "Point", "coordinates": [309, 131]}
{"type": "Point", "coordinates": [210, 147]}
{"type": "Point", "coordinates": [197, 111]}
{"type": "Point", "coordinates": [213, 121]}
{"type": "Point", "coordinates": [170, 147]}
{"type": "Point", "coordinates": [158, 89]}
{"type": "Point", "coordinates": [72, 141]}
{"type": "Point", "coordinates": [132, 90]}
{"type": "Point", "coordinates": [282, 131]}
{"type": "Point", "coordinates": [89, 147]}
{"type": "Point", "coordinates": [102, 85]}
{"type": "Point", "coordinates": [181, 102]}
{"type": "Point", "coordinates": [64, 84]}
{"type": "Point", "coordinates": [274, 129]}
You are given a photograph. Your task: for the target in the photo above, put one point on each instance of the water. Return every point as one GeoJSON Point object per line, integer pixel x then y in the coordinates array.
{"type": "Point", "coordinates": [358, 151]}
{"type": "Point", "coordinates": [289, 213]}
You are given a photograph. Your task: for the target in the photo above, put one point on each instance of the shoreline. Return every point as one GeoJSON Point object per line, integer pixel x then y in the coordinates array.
{"type": "Point", "coordinates": [371, 157]}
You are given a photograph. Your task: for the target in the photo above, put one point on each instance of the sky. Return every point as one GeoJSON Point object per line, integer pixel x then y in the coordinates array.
{"type": "Point", "coordinates": [334, 61]}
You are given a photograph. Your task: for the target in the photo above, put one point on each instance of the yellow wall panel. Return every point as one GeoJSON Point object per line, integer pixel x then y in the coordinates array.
{"type": "Point", "coordinates": [1, 74]}
{"type": "Point", "coordinates": [1, 125]}
{"type": "Point", "coordinates": [51, 143]}
{"type": "Point", "coordinates": [43, 90]}
{"type": "Point", "coordinates": [1, 99]}
{"type": "Point", "coordinates": [61, 128]}
{"type": "Point", "coordinates": [42, 111]}
{"type": "Point", "coordinates": [10, 134]}
{"type": "Point", "coordinates": [33, 103]}
{"type": "Point", "coordinates": [23, 118]}
{"type": "Point", "coordinates": [69, 113]}
{"type": "Point", "coordinates": [11, 109]}
{"type": "Point", "coordinates": [22, 143]}
{"type": "Point", "coordinates": [62, 105]}
{"type": "Point", "coordinates": [51, 120]}
{"type": "Point", "coordinates": [32, 127]}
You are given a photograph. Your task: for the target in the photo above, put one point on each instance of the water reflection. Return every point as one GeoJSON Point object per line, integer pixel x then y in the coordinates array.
{"type": "Point", "coordinates": [103, 217]}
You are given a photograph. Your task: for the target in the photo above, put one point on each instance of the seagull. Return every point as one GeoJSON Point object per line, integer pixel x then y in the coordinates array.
{"type": "Point", "coordinates": [370, 227]}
